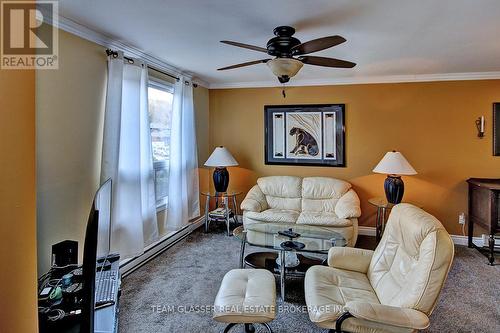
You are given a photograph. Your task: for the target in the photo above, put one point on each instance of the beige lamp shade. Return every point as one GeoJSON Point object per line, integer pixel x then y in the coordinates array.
{"type": "Point", "coordinates": [394, 163]}
{"type": "Point", "coordinates": [221, 157]}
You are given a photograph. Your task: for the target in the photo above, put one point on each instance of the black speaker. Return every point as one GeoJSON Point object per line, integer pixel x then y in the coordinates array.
{"type": "Point", "coordinates": [65, 253]}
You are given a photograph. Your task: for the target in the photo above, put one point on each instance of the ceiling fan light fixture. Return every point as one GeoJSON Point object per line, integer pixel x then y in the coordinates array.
{"type": "Point", "coordinates": [285, 67]}
{"type": "Point", "coordinates": [284, 46]}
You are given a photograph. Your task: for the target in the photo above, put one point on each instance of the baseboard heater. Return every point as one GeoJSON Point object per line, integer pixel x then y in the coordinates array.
{"type": "Point", "coordinates": [152, 251]}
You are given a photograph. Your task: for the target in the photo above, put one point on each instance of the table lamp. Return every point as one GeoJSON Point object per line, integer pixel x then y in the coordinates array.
{"type": "Point", "coordinates": [394, 165]}
{"type": "Point", "coordinates": [220, 159]}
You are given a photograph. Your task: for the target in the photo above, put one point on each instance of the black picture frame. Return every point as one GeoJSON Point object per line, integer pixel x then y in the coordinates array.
{"type": "Point", "coordinates": [279, 121]}
{"type": "Point", "coordinates": [496, 129]}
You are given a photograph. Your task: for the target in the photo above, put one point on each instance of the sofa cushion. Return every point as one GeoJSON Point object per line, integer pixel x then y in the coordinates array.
{"type": "Point", "coordinates": [274, 215]}
{"type": "Point", "coordinates": [323, 218]}
{"type": "Point", "coordinates": [281, 186]}
{"type": "Point", "coordinates": [321, 194]}
{"type": "Point", "coordinates": [319, 205]}
{"type": "Point", "coordinates": [282, 192]}
{"type": "Point", "coordinates": [323, 188]}
{"type": "Point", "coordinates": [348, 205]}
{"type": "Point", "coordinates": [255, 200]}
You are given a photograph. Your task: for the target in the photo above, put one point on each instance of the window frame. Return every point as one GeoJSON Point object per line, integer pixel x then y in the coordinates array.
{"type": "Point", "coordinates": [168, 87]}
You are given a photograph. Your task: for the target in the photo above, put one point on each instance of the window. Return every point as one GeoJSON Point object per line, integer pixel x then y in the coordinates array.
{"type": "Point", "coordinates": [160, 97]}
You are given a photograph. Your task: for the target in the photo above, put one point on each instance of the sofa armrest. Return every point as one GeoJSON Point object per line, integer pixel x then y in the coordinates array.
{"type": "Point", "coordinates": [350, 258]}
{"type": "Point", "coordinates": [255, 200]}
{"type": "Point", "coordinates": [348, 206]}
{"type": "Point", "coordinates": [388, 315]}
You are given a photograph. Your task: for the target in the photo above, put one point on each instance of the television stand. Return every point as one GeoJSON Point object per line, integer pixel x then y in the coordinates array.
{"type": "Point", "coordinates": [105, 318]}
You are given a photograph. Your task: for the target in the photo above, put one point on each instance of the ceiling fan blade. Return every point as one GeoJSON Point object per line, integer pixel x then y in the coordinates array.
{"type": "Point", "coordinates": [327, 62]}
{"type": "Point", "coordinates": [317, 45]}
{"type": "Point", "coordinates": [246, 46]}
{"type": "Point", "coordinates": [244, 64]}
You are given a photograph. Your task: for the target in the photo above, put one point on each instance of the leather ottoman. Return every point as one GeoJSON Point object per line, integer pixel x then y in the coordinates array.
{"type": "Point", "coordinates": [246, 296]}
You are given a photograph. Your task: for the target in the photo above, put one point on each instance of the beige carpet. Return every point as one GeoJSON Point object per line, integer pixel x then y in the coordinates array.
{"type": "Point", "coordinates": [174, 292]}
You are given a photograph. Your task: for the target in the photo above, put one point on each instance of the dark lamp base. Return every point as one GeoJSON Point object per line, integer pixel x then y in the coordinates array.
{"type": "Point", "coordinates": [394, 189]}
{"type": "Point", "coordinates": [221, 179]}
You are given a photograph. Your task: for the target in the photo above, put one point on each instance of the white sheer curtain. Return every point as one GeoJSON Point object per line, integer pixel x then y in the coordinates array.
{"type": "Point", "coordinates": [127, 157]}
{"type": "Point", "coordinates": [183, 191]}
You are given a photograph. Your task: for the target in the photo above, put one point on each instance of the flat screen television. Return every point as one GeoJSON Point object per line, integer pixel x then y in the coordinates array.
{"type": "Point", "coordinates": [95, 252]}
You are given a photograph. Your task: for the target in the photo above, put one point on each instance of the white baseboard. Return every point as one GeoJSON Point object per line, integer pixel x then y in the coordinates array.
{"type": "Point", "coordinates": [464, 240]}
{"type": "Point", "coordinates": [457, 239]}
{"type": "Point", "coordinates": [367, 231]}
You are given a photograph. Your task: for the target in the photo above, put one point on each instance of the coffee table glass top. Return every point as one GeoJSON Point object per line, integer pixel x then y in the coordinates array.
{"type": "Point", "coordinates": [221, 194]}
{"type": "Point", "coordinates": [266, 236]}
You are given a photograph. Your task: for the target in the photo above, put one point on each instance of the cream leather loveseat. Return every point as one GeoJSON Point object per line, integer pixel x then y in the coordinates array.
{"type": "Point", "coordinates": [302, 204]}
{"type": "Point", "coordinates": [392, 289]}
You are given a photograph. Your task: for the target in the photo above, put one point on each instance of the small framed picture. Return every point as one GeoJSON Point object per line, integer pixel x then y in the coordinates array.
{"type": "Point", "coordinates": [311, 135]}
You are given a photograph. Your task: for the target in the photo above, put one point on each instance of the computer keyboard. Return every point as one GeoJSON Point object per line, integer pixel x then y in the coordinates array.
{"type": "Point", "coordinates": [106, 284]}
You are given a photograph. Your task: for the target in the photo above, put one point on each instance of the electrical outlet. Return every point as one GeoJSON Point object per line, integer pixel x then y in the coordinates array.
{"type": "Point", "coordinates": [461, 218]}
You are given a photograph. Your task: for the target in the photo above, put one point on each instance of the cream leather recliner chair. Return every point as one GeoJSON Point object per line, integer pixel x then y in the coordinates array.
{"type": "Point", "coordinates": [303, 204]}
{"type": "Point", "coordinates": [392, 289]}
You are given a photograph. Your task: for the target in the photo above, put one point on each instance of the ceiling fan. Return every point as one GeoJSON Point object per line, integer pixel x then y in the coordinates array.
{"type": "Point", "coordinates": [284, 47]}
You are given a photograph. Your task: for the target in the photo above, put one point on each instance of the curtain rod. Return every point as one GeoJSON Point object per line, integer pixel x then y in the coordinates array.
{"type": "Point", "coordinates": [114, 54]}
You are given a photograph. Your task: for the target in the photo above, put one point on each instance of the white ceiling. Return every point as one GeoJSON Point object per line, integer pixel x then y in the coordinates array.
{"type": "Point", "coordinates": [386, 38]}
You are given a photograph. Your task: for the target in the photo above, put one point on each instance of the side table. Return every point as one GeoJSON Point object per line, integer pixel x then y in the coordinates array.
{"type": "Point", "coordinates": [225, 197]}
{"type": "Point", "coordinates": [382, 206]}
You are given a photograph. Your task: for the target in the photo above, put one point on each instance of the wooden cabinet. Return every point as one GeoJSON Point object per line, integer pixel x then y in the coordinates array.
{"type": "Point", "coordinates": [484, 197]}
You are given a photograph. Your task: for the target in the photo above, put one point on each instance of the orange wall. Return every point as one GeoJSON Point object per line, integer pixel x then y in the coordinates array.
{"type": "Point", "coordinates": [431, 123]}
{"type": "Point", "coordinates": [18, 307]}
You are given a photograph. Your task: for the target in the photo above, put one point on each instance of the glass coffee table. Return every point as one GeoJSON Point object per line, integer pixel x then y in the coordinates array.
{"type": "Point", "coordinates": [284, 260]}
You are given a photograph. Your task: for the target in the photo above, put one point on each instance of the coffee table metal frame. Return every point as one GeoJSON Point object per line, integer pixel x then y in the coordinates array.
{"type": "Point", "coordinates": [240, 233]}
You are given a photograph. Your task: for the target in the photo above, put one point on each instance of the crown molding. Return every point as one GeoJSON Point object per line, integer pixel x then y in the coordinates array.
{"type": "Point", "coordinates": [104, 40]}
{"type": "Point", "coordinates": [84, 32]}
{"type": "Point", "coordinates": [362, 80]}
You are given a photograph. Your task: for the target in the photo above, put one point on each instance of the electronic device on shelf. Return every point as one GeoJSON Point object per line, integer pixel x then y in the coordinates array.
{"type": "Point", "coordinates": [65, 253]}
{"type": "Point", "coordinates": [97, 259]}
{"type": "Point", "coordinates": [289, 233]}
{"type": "Point", "coordinates": [84, 298]}
{"type": "Point", "coordinates": [106, 286]}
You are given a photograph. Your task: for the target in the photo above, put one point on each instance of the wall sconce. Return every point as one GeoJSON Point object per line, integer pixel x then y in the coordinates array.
{"type": "Point", "coordinates": [480, 127]}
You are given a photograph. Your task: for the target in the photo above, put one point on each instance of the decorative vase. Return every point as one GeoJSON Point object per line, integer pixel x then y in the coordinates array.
{"type": "Point", "coordinates": [291, 259]}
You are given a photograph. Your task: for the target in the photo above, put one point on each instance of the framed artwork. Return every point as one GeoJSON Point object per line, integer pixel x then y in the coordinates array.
{"type": "Point", "coordinates": [305, 135]}
{"type": "Point", "coordinates": [496, 129]}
